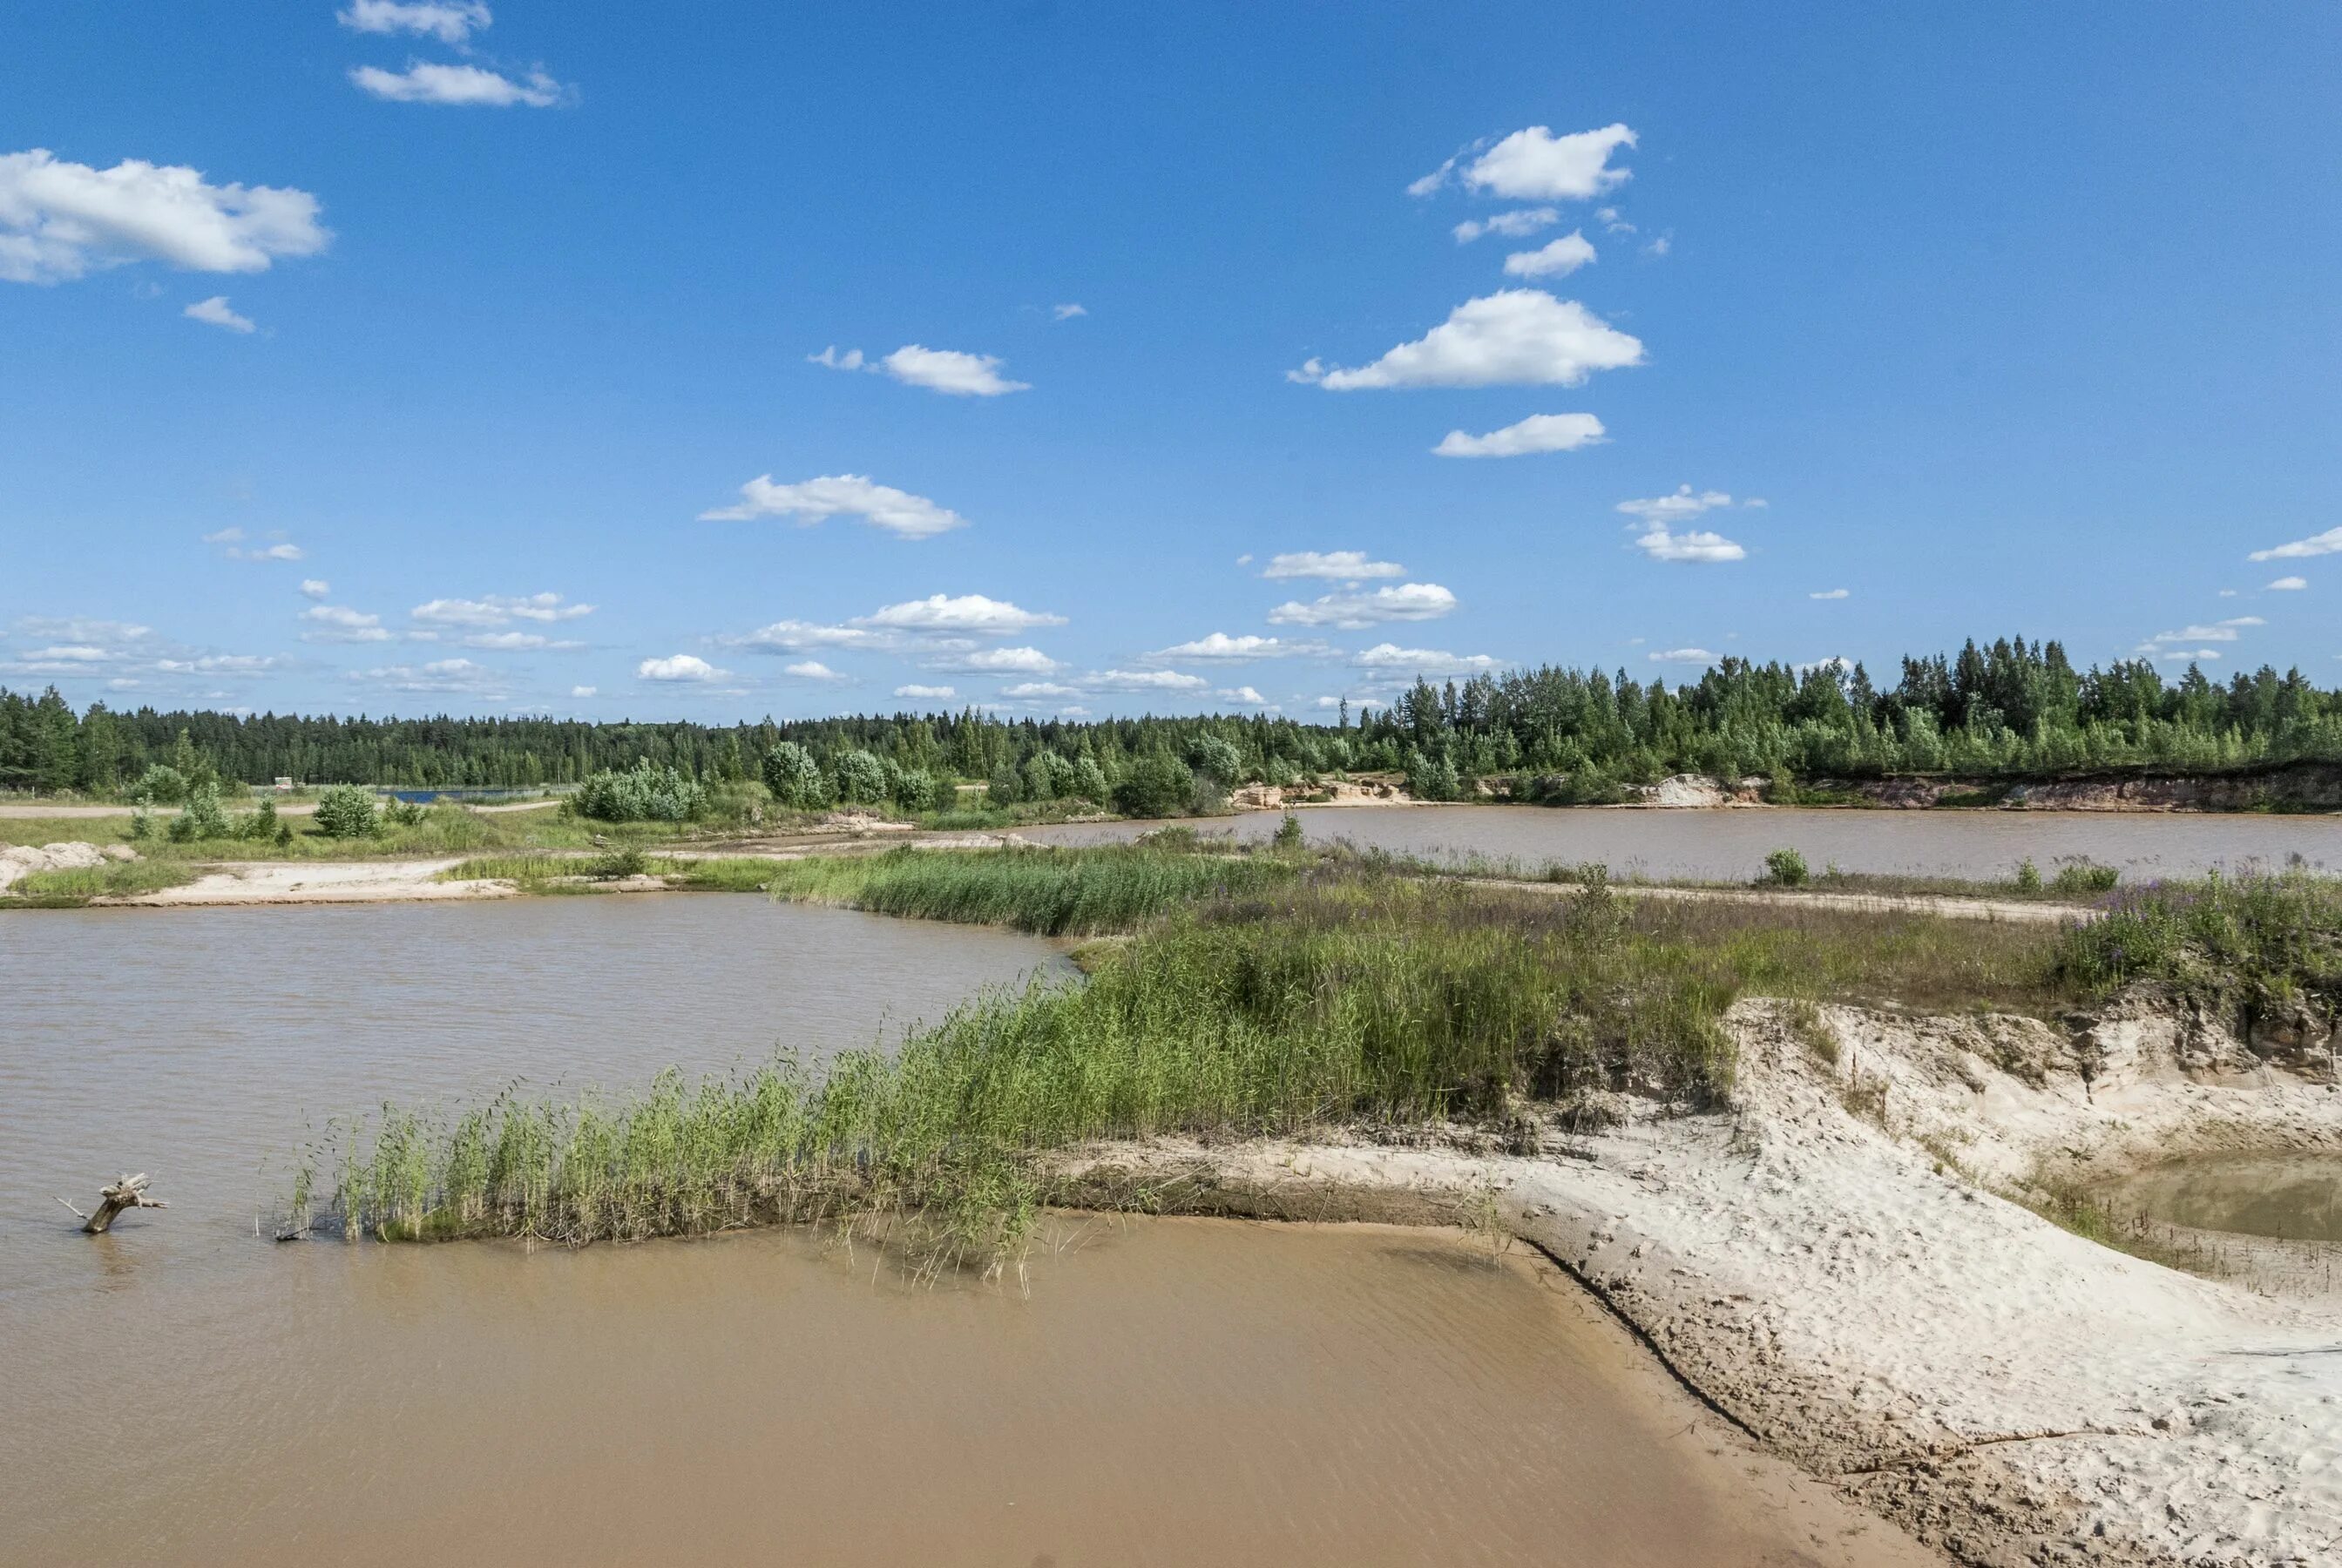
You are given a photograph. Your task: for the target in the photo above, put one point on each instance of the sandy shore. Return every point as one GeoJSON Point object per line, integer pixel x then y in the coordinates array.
{"type": "Point", "coordinates": [1857, 1296]}
{"type": "Point", "coordinates": [320, 882]}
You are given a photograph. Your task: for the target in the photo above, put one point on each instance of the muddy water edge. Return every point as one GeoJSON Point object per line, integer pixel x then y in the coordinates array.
{"type": "Point", "coordinates": [1170, 1391]}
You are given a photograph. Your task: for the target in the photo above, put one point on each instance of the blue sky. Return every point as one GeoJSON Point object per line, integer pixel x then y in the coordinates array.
{"type": "Point", "coordinates": [351, 351]}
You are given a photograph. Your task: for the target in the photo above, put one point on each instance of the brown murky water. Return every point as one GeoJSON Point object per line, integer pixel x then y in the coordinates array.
{"type": "Point", "coordinates": [1731, 845]}
{"type": "Point", "coordinates": [1157, 1393]}
{"type": "Point", "coordinates": [2291, 1196]}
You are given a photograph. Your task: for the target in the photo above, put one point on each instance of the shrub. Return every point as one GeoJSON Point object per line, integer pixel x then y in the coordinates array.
{"type": "Point", "coordinates": [1785, 868]}
{"type": "Point", "coordinates": [200, 818]}
{"type": "Point", "coordinates": [1432, 778]}
{"type": "Point", "coordinates": [402, 812]}
{"type": "Point", "coordinates": [1288, 836]}
{"type": "Point", "coordinates": [1156, 786]}
{"type": "Point", "coordinates": [617, 866]}
{"type": "Point", "coordinates": [2080, 877]}
{"type": "Point", "coordinates": [861, 778]}
{"type": "Point", "coordinates": [142, 825]}
{"type": "Point", "coordinates": [643, 793]}
{"type": "Point", "coordinates": [160, 784]}
{"type": "Point", "coordinates": [1006, 787]}
{"type": "Point", "coordinates": [2028, 875]}
{"type": "Point", "coordinates": [915, 789]}
{"type": "Point", "coordinates": [262, 824]}
{"type": "Point", "coordinates": [795, 778]}
{"type": "Point", "coordinates": [346, 811]}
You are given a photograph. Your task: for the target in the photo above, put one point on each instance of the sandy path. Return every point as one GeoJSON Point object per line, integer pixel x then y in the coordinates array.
{"type": "Point", "coordinates": [1855, 903]}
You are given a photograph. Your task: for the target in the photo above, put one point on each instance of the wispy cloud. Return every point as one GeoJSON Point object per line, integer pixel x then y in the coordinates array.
{"type": "Point", "coordinates": [1219, 648]}
{"type": "Point", "coordinates": [214, 311]}
{"type": "Point", "coordinates": [449, 23]}
{"type": "Point", "coordinates": [459, 87]}
{"type": "Point", "coordinates": [1534, 164]}
{"type": "Point", "coordinates": [944, 370]}
{"type": "Point", "coordinates": [1683, 656]}
{"type": "Point", "coordinates": [2326, 543]}
{"type": "Point", "coordinates": [340, 624]}
{"type": "Point", "coordinates": [1331, 566]}
{"type": "Point", "coordinates": [1512, 226]}
{"type": "Point", "coordinates": [1432, 664]}
{"type": "Point", "coordinates": [1657, 514]}
{"type": "Point", "coordinates": [1537, 433]}
{"type": "Point", "coordinates": [2288, 584]}
{"type": "Point", "coordinates": [1828, 594]}
{"type": "Point", "coordinates": [926, 693]}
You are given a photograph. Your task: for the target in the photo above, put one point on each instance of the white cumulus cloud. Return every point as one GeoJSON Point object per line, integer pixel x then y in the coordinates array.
{"type": "Point", "coordinates": [1333, 565]}
{"type": "Point", "coordinates": [315, 587]}
{"type": "Point", "coordinates": [926, 694]}
{"type": "Point", "coordinates": [1520, 336]}
{"type": "Point", "coordinates": [679, 667]}
{"type": "Point", "coordinates": [2326, 543]}
{"type": "Point", "coordinates": [899, 512]}
{"type": "Point", "coordinates": [1537, 433]}
{"type": "Point", "coordinates": [998, 662]}
{"type": "Point", "coordinates": [796, 636]}
{"type": "Point", "coordinates": [1535, 165]}
{"type": "Point", "coordinates": [583, 691]}
{"type": "Point", "coordinates": [2288, 584]}
{"type": "Point", "coordinates": [450, 24]}
{"type": "Point", "coordinates": [1558, 259]}
{"type": "Point", "coordinates": [949, 371]}
{"type": "Point", "coordinates": [970, 613]}
{"type": "Point", "coordinates": [1683, 656]}
{"type": "Point", "coordinates": [60, 220]}
{"type": "Point", "coordinates": [1248, 696]}
{"type": "Point", "coordinates": [1661, 544]}
{"type": "Point", "coordinates": [460, 86]}
{"type": "Point", "coordinates": [811, 670]}
{"type": "Point", "coordinates": [1142, 681]}
{"type": "Point", "coordinates": [1408, 602]}
{"type": "Point", "coordinates": [214, 311]}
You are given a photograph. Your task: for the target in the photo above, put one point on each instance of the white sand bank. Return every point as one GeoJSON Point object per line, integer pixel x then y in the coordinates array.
{"type": "Point", "coordinates": [2002, 1388]}
{"type": "Point", "coordinates": [321, 882]}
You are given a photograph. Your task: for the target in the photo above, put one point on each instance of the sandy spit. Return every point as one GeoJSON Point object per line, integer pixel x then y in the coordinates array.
{"type": "Point", "coordinates": [319, 882]}
{"type": "Point", "coordinates": [1858, 1298]}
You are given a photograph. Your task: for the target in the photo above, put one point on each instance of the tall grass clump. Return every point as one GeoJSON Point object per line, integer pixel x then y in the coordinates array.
{"type": "Point", "coordinates": [1053, 891]}
{"type": "Point", "coordinates": [2253, 942]}
{"type": "Point", "coordinates": [115, 879]}
{"type": "Point", "coordinates": [1301, 1003]}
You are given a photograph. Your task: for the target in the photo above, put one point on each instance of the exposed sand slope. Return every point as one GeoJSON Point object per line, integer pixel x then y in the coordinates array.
{"type": "Point", "coordinates": [19, 860]}
{"type": "Point", "coordinates": [1997, 1386]}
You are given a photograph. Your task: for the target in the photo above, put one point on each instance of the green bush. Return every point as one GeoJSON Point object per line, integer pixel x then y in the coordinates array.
{"type": "Point", "coordinates": [861, 778]}
{"type": "Point", "coordinates": [1288, 836]}
{"type": "Point", "coordinates": [643, 793]}
{"type": "Point", "coordinates": [261, 825]}
{"type": "Point", "coordinates": [2028, 875]}
{"type": "Point", "coordinates": [793, 777]}
{"type": "Point", "coordinates": [1006, 787]}
{"type": "Point", "coordinates": [1785, 868]}
{"type": "Point", "coordinates": [346, 811]}
{"type": "Point", "coordinates": [160, 784]}
{"type": "Point", "coordinates": [1156, 786]}
{"type": "Point", "coordinates": [2079, 877]}
{"type": "Point", "coordinates": [1432, 778]}
{"type": "Point", "coordinates": [200, 818]}
{"type": "Point", "coordinates": [915, 789]}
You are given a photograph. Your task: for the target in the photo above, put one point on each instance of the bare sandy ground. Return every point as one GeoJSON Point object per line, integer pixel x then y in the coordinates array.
{"type": "Point", "coordinates": [1858, 1297]}
{"type": "Point", "coordinates": [320, 882]}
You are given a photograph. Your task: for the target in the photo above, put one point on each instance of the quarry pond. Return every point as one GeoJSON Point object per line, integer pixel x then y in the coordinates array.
{"type": "Point", "coordinates": [1730, 845]}
{"type": "Point", "coordinates": [1148, 1392]}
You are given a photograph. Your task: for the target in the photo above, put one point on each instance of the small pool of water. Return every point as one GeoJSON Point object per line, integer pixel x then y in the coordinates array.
{"type": "Point", "coordinates": [2290, 1196]}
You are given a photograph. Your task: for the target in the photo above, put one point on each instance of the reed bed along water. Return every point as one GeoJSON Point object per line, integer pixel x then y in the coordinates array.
{"type": "Point", "coordinates": [1257, 994]}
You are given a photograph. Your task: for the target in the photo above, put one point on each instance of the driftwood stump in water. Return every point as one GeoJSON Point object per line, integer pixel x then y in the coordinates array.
{"type": "Point", "coordinates": [129, 1193]}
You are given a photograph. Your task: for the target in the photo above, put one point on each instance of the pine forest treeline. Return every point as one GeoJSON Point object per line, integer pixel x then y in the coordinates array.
{"type": "Point", "coordinates": [2012, 708]}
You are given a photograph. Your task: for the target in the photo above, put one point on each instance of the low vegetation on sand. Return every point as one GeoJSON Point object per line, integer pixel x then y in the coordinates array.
{"type": "Point", "coordinates": [2246, 946]}
{"type": "Point", "coordinates": [115, 879]}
